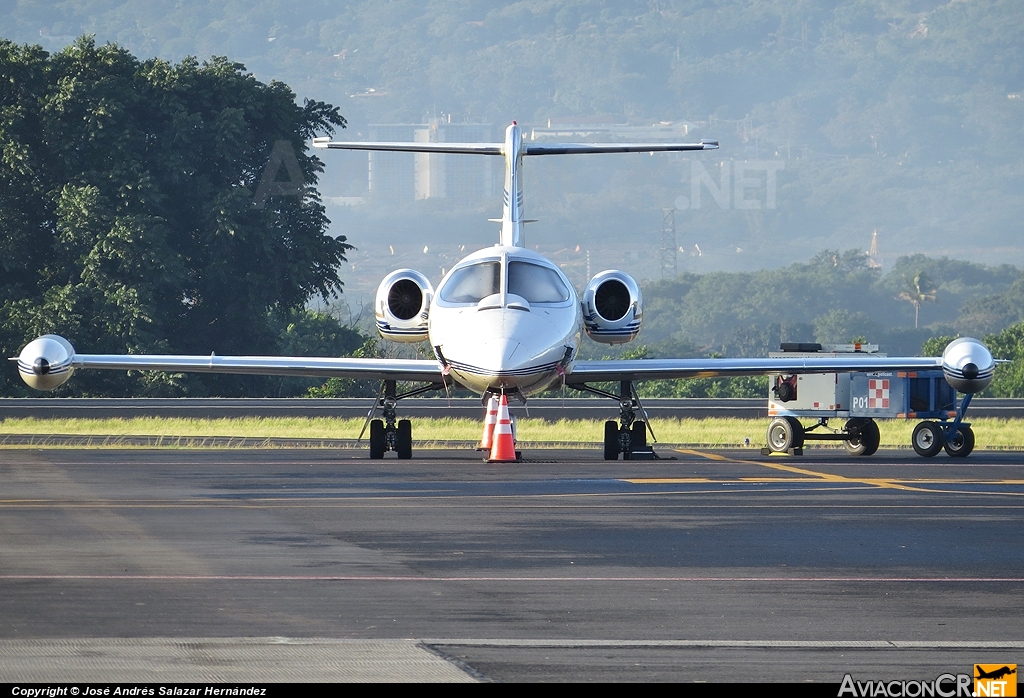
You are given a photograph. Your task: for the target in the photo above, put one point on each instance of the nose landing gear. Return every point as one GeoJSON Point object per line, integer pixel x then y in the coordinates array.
{"type": "Point", "coordinates": [956, 437]}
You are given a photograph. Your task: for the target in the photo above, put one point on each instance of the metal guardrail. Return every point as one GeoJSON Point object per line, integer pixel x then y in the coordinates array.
{"type": "Point", "coordinates": [470, 408]}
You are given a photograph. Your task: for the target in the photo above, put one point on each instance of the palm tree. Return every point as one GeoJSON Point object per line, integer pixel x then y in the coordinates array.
{"type": "Point", "coordinates": [917, 292]}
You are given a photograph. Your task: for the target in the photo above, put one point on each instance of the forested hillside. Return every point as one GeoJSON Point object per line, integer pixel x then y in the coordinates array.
{"type": "Point", "coordinates": [915, 308]}
{"type": "Point", "coordinates": [835, 297]}
{"type": "Point", "coordinates": [904, 116]}
{"type": "Point", "coordinates": [128, 170]}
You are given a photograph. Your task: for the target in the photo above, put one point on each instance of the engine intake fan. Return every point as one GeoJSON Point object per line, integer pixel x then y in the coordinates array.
{"type": "Point", "coordinates": [612, 307]}
{"type": "Point", "coordinates": [402, 306]}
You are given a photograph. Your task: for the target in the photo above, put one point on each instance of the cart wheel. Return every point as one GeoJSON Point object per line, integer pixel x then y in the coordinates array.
{"type": "Point", "coordinates": [867, 440]}
{"type": "Point", "coordinates": [798, 432]}
{"type": "Point", "coordinates": [961, 443]}
{"type": "Point", "coordinates": [871, 436]}
{"type": "Point", "coordinates": [611, 440]}
{"type": "Point", "coordinates": [403, 439]}
{"type": "Point", "coordinates": [782, 435]}
{"type": "Point", "coordinates": [927, 439]}
{"type": "Point", "coordinates": [376, 439]}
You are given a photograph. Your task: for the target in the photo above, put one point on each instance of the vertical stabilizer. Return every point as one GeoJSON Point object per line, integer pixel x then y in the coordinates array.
{"type": "Point", "coordinates": [512, 208]}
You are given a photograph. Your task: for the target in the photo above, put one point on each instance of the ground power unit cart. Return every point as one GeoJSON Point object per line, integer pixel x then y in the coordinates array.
{"type": "Point", "coordinates": [861, 399]}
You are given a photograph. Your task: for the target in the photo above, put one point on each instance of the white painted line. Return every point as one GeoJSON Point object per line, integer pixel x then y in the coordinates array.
{"type": "Point", "coordinates": [739, 644]}
{"type": "Point", "coordinates": [486, 578]}
{"type": "Point", "coordinates": [222, 660]}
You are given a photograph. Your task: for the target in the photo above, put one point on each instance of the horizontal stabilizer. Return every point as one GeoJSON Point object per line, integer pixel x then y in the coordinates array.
{"type": "Point", "coordinates": [528, 149]}
{"type": "Point", "coordinates": [412, 147]}
{"type": "Point", "coordinates": [513, 148]}
{"type": "Point", "coordinates": [579, 148]}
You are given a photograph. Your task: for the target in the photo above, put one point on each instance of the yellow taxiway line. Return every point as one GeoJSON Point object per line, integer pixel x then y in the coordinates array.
{"type": "Point", "coordinates": [812, 476]}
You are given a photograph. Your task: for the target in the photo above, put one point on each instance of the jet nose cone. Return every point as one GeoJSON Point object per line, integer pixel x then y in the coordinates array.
{"type": "Point", "coordinates": [497, 353]}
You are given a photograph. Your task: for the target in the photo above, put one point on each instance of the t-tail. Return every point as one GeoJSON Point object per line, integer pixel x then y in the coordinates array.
{"type": "Point", "coordinates": [512, 220]}
{"type": "Point", "coordinates": [513, 149]}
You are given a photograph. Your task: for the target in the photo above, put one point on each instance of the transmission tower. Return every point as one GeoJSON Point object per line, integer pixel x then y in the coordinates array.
{"type": "Point", "coordinates": [668, 243]}
{"type": "Point", "coordinates": [873, 261]}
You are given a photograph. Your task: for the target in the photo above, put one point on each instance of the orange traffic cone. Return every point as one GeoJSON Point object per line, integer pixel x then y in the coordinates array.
{"type": "Point", "coordinates": [489, 421]}
{"type": "Point", "coordinates": [504, 447]}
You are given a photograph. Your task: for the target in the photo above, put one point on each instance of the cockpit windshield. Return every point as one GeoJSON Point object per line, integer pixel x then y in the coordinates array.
{"type": "Point", "coordinates": [473, 283]}
{"type": "Point", "coordinates": [535, 283]}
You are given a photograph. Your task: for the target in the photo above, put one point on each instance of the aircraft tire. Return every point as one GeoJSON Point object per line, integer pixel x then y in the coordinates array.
{"type": "Point", "coordinates": [611, 440]}
{"type": "Point", "coordinates": [638, 436]}
{"type": "Point", "coordinates": [403, 440]}
{"type": "Point", "coordinates": [927, 439]}
{"type": "Point", "coordinates": [377, 439]}
{"type": "Point", "coordinates": [962, 443]}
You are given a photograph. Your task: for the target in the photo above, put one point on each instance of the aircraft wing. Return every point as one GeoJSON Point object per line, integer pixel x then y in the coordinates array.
{"type": "Point", "coordinates": [573, 148]}
{"type": "Point", "coordinates": [427, 370]}
{"type": "Point", "coordinates": [661, 369]}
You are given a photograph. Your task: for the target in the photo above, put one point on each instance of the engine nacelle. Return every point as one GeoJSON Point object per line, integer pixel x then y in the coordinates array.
{"type": "Point", "coordinates": [612, 307]}
{"type": "Point", "coordinates": [967, 365]}
{"type": "Point", "coordinates": [45, 363]}
{"type": "Point", "coordinates": [402, 306]}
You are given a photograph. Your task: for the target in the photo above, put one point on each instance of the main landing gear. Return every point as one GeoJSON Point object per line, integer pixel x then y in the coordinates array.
{"type": "Point", "coordinates": [628, 436]}
{"type": "Point", "coordinates": [391, 433]}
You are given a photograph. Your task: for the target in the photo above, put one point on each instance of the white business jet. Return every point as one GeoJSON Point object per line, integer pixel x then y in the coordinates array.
{"type": "Point", "coordinates": [505, 320]}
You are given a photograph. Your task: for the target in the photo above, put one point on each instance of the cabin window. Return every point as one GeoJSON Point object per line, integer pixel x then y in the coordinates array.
{"type": "Point", "coordinates": [535, 283]}
{"type": "Point", "coordinates": [473, 283]}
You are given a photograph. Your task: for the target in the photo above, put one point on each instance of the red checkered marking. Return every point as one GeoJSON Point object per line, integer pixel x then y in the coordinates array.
{"type": "Point", "coordinates": [878, 393]}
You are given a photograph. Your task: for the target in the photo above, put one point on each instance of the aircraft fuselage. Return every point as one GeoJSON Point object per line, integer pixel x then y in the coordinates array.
{"type": "Point", "coordinates": [506, 319]}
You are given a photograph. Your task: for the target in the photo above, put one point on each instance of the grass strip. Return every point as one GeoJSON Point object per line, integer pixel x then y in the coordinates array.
{"type": "Point", "coordinates": [991, 433]}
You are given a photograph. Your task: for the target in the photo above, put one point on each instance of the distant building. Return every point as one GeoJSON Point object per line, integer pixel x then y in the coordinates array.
{"type": "Point", "coordinates": [390, 175]}
{"type": "Point", "coordinates": [464, 180]}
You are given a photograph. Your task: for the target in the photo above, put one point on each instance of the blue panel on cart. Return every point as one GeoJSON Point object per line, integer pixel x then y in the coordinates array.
{"type": "Point", "coordinates": [881, 395]}
{"type": "Point", "coordinates": [901, 394]}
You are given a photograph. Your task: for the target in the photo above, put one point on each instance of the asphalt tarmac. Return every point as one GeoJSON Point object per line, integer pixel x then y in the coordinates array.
{"type": "Point", "coordinates": [284, 565]}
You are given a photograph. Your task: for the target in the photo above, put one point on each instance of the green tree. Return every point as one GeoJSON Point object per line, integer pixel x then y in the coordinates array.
{"type": "Point", "coordinates": [1008, 380]}
{"type": "Point", "coordinates": [936, 345]}
{"type": "Point", "coordinates": [373, 347]}
{"type": "Point", "coordinates": [310, 333]}
{"type": "Point", "coordinates": [917, 291]}
{"type": "Point", "coordinates": [840, 327]}
{"type": "Point", "coordinates": [129, 216]}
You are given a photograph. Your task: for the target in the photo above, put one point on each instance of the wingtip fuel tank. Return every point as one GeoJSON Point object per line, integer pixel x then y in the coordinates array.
{"type": "Point", "coordinates": [967, 365]}
{"type": "Point", "coordinates": [46, 363]}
